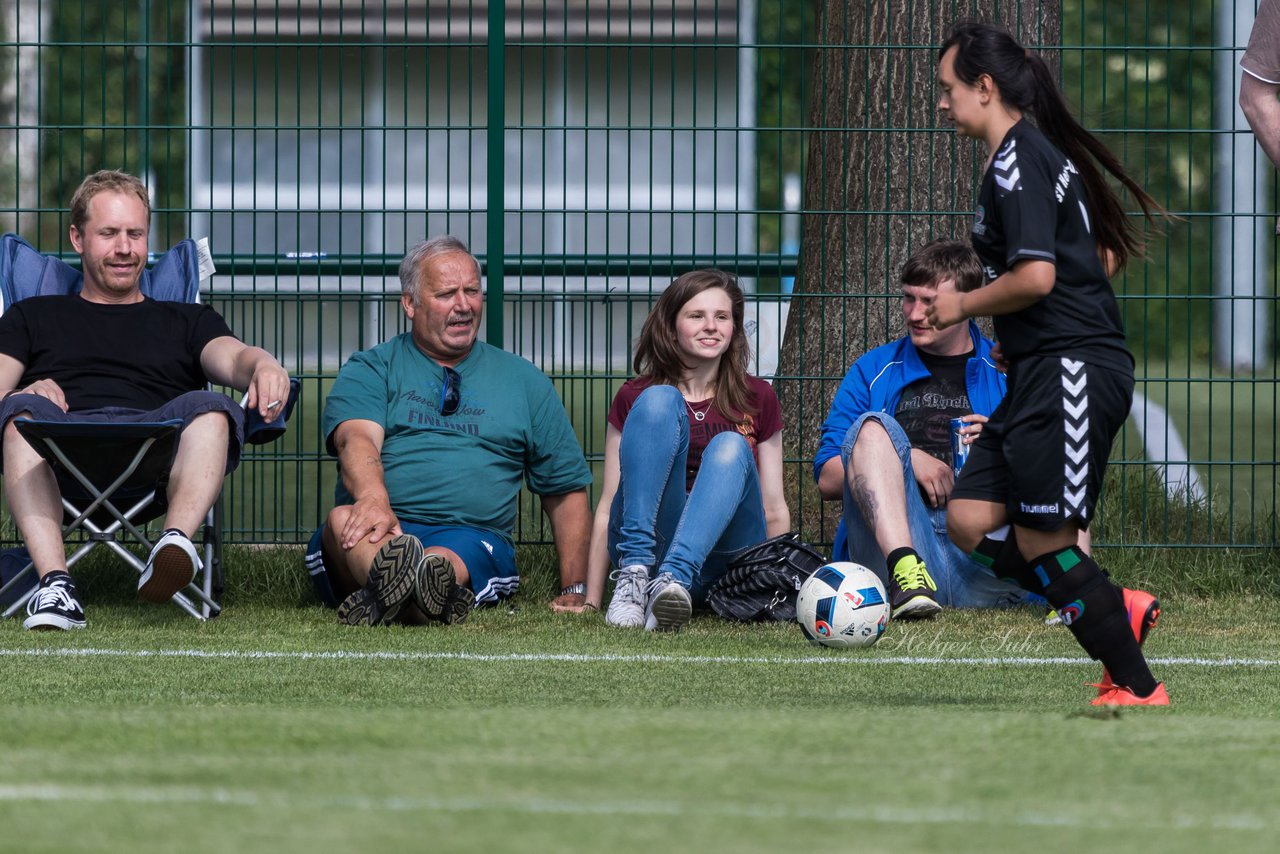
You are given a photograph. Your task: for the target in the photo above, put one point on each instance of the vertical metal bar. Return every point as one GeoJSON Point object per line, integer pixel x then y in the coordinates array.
{"type": "Point", "coordinates": [143, 51]}
{"type": "Point", "coordinates": [495, 214]}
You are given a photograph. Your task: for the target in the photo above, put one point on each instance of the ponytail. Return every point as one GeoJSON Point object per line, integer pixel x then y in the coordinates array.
{"type": "Point", "coordinates": [1115, 232]}
{"type": "Point", "coordinates": [1025, 83]}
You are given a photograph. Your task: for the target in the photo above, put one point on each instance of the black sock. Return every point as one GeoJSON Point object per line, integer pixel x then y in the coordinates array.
{"type": "Point", "coordinates": [898, 554]}
{"type": "Point", "coordinates": [1002, 557]}
{"type": "Point", "coordinates": [1093, 609]}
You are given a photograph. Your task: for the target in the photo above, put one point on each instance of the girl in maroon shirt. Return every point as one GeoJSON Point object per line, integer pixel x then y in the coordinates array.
{"type": "Point", "coordinates": [693, 459]}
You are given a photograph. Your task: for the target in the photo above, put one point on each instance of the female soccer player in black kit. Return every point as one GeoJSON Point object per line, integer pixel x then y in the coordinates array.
{"type": "Point", "coordinates": [1049, 232]}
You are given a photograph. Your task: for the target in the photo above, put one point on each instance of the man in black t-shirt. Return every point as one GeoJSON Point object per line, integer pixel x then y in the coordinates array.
{"type": "Point", "coordinates": [886, 445]}
{"type": "Point", "coordinates": [110, 354]}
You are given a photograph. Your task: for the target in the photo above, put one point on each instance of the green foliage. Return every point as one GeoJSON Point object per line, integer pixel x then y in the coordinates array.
{"type": "Point", "coordinates": [1142, 76]}
{"type": "Point", "coordinates": [785, 34]}
{"type": "Point", "coordinates": [115, 82]}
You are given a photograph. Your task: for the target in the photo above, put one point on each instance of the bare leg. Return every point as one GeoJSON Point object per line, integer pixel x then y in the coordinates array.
{"type": "Point", "coordinates": [198, 471]}
{"type": "Point", "coordinates": [969, 520]}
{"type": "Point", "coordinates": [35, 502]}
{"type": "Point", "coordinates": [875, 480]}
{"type": "Point", "coordinates": [1033, 544]}
{"type": "Point", "coordinates": [349, 568]}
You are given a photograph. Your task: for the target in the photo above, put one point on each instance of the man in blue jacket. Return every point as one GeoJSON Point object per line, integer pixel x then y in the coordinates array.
{"type": "Point", "coordinates": [886, 446]}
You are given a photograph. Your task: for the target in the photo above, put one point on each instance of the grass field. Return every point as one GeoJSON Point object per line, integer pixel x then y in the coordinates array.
{"type": "Point", "coordinates": [272, 728]}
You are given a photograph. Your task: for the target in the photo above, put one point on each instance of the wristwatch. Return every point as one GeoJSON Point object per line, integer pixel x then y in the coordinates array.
{"type": "Point", "coordinates": [580, 588]}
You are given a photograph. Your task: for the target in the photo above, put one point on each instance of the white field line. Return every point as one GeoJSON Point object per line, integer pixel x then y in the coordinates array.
{"type": "Point", "coordinates": [852, 659]}
{"type": "Point", "coordinates": [971, 814]}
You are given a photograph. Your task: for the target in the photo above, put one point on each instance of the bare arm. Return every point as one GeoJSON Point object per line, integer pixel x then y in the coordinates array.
{"type": "Point", "coordinates": [831, 479]}
{"type": "Point", "coordinates": [1025, 285]}
{"type": "Point", "coordinates": [11, 371]}
{"type": "Point", "coordinates": [598, 556]}
{"type": "Point", "coordinates": [233, 363]}
{"type": "Point", "coordinates": [777, 516]}
{"type": "Point", "coordinates": [1262, 111]}
{"type": "Point", "coordinates": [570, 515]}
{"type": "Point", "coordinates": [359, 446]}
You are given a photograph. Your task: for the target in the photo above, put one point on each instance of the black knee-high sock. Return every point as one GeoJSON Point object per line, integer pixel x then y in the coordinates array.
{"type": "Point", "coordinates": [1001, 556]}
{"type": "Point", "coordinates": [1093, 609]}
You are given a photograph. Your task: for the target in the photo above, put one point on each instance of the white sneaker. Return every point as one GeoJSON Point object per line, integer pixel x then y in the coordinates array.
{"type": "Point", "coordinates": [669, 605]}
{"type": "Point", "coordinates": [171, 567]}
{"type": "Point", "coordinates": [626, 608]}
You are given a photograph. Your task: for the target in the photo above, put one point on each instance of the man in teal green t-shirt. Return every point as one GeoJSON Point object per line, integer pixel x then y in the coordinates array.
{"type": "Point", "coordinates": [434, 432]}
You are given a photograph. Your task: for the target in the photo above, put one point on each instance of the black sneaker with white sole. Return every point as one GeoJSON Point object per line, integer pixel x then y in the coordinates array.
{"type": "Point", "coordinates": [912, 592]}
{"type": "Point", "coordinates": [54, 605]}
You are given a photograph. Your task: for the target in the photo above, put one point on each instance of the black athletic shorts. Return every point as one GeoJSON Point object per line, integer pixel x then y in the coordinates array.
{"type": "Point", "coordinates": [1044, 452]}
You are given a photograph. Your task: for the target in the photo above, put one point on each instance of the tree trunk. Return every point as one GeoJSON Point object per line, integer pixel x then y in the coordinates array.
{"type": "Point", "coordinates": [883, 176]}
{"type": "Point", "coordinates": [24, 24]}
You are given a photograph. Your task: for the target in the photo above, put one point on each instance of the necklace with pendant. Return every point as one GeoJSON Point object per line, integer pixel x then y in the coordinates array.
{"type": "Point", "coordinates": [699, 414]}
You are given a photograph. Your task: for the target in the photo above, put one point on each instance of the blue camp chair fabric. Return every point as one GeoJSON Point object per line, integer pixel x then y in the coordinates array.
{"type": "Point", "coordinates": [113, 475]}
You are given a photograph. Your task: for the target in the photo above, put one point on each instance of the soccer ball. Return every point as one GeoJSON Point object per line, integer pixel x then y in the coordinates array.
{"type": "Point", "coordinates": [842, 605]}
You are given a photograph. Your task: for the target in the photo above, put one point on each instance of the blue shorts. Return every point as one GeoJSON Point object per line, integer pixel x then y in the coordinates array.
{"type": "Point", "coordinates": [490, 560]}
{"type": "Point", "coordinates": [184, 407]}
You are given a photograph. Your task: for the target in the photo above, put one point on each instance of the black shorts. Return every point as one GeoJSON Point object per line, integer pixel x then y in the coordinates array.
{"type": "Point", "coordinates": [1044, 452]}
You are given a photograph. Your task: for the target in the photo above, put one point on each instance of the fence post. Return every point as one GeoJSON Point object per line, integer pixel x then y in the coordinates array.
{"type": "Point", "coordinates": [496, 178]}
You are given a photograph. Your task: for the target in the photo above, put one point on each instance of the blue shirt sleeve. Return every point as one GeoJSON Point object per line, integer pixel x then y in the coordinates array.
{"type": "Point", "coordinates": [853, 398]}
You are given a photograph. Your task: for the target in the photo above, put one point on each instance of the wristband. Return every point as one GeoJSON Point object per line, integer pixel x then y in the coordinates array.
{"type": "Point", "coordinates": [580, 588]}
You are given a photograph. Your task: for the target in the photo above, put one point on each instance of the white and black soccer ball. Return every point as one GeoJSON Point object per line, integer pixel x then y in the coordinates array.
{"type": "Point", "coordinates": [842, 605]}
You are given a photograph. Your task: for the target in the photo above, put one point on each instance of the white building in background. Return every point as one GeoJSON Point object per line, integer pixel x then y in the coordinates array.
{"type": "Point", "coordinates": [318, 129]}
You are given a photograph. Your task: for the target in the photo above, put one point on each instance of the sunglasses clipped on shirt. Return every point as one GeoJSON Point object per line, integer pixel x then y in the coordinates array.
{"type": "Point", "coordinates": [450, 392]}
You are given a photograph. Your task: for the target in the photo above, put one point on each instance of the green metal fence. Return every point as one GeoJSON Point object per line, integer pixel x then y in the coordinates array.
{"type": "Point", "coordinates": [590, 151]}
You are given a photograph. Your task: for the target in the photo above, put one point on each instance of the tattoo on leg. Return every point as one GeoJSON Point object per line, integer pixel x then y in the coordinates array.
{"type": "Point", "coordinates": [864, 498]}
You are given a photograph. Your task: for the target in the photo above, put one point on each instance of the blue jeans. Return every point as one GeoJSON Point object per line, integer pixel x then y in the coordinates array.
{"type": "Point", "coordinates": [652, 522]}
{"type": "Point", "coordinates": [962, 583]}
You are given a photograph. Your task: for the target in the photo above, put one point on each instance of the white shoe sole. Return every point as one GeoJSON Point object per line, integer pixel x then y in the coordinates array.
{"type": "Point", "coordinates": [44, 622]}
{"type": "Point", "coordinates": [671, 610]}
{"type": "Point", "coordinates": [917, 609]}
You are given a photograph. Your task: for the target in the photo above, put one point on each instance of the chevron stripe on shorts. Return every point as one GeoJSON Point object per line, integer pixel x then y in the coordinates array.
{"type": "Point", "coordinates": [1075, 427]}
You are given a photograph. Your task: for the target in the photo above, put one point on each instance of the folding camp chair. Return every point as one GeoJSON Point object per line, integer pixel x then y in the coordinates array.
{"type": "Point", "coordinates": [113, 476]}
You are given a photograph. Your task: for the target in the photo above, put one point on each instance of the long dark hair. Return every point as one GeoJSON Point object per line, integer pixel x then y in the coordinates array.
{"type": "Point", "coordinates": [658, 349]}
{"type": "Point", "coordinates": [1025, 83]}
